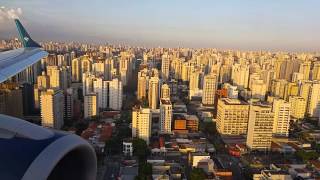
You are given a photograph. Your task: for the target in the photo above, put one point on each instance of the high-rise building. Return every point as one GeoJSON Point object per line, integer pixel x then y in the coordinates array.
{"type": "Point", "coordinates": [86, 64]}
{"type": "Point", "coordinates": [115, 94]}
{"type": "Point", "coordinates": [90, 105]}
{"type": "Point", "coordinates": [298, 106]}
{"type": "Point", "coordinates": [54, 76]}
{"type": "Point", "coordinates": [43, 81]}
{"type": "Point", "coordinates": [68, 104]}
{"type": "Point", "coordinates": [52, 108]}
{"type": "Point", "coordinates": [305, 70]}
{"type": "Point", "coordinates": [209, 89]}
{"type": "Point", "coordinates": [153, 92]}
{"type": "Point", "coordinates": [76, 70]}
{"type": "Point", "coordinates": [240, 76]}
{"type": "Point", "coordinates": [142, 85]}
{"type": "Point", "coordinates": [141, 123]}
{"type": "Point", "coordinates": [109, 66]}
{"type": "Point", "coordinates": [313, 104]}
{"type": "Point", "coordinates": [165, 91]}
{"type": "Point", "coordinates": [316, 71]}
{"type": "Point", "coordinates": [165, 116]}
{"type": "Point", "coordinates": [281, 123]}
{"type": "Point", "coordinates": [193, 83]}
{"type": "Point", "coordinates": [165, 65]}
{"type": "Point", "coordinates": [260, 127]}
{"type": "Point", "coordinates": [232, 116]}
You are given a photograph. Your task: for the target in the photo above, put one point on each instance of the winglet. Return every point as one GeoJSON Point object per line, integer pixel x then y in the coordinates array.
{"type": "Point", "coordinates": [24, 36]}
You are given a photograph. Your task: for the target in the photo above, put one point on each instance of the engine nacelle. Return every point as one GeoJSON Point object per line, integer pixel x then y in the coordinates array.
{"type": "Point", "coordinates": [30, 152]}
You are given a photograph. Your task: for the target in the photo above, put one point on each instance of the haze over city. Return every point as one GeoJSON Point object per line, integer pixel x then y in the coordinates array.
{"type": "Point", "coordinates": [163, 90]}
{"type": "Point", "coordinates": [287, 25]}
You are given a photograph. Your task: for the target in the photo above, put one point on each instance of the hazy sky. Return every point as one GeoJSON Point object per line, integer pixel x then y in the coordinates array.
{"type": "Point", "coordinates": [292, 25]}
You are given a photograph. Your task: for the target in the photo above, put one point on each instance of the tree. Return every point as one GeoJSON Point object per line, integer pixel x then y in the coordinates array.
{"type": "Point", "coordinates": [197, 174]}
{"type": "Point", "coordinates": [140, 149]}
{"type": "Point", "coordinates": [305, 156]}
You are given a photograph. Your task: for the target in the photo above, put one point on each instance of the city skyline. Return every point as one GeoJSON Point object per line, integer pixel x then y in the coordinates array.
{"type": "Point", "coordinates": [243, 25]}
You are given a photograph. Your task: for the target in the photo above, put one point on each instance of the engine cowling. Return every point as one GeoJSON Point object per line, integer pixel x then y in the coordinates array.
{"type": "Point", "coordinates": [30, 152]}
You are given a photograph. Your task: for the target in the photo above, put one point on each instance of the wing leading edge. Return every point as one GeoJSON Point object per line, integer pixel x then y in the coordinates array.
{"type": "Point", "coordinates": [15, 61]}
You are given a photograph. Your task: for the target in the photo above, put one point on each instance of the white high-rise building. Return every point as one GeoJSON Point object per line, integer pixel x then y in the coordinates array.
{"type": "Point", "coordinates": [153, 92]}
{"type": "Point", "coordinates": [298, 106]}
{"type": "Point", "coordinates": [209, 89]}
{"type": "Point", "coordinates": [43, 81]}
{"type": "Point", "coordinates": [232, 116]}
{"type": "Point", "coordinates": [165, 91]}
{"type": "Point", "coordinates": [313, 105]}
{"type": "Point", "coordinates": [141, 123]}
{"type": "Point", "coordinates": [115, 94]}
{"type": "Point", "coordinates": [109, 93]}
{"type": "Point", "coordinates": [260, 127]}
{"type": "Point", "coordinates": [90, 105]}
{"type": "Point", "coordinates": [194, 83]}
{"type": "Point", "coordinates": [54, 76]}
{"type": "Point", "coordinates": [281, 123]}
{"type": "Point", "coordinates": [240, 75]}
{"type": "Point", "coordinates": [165, 116]}
{"type": "Point", "coordinates": [165, 65]}
{"type": "Point", "coordinates": [52, 108]}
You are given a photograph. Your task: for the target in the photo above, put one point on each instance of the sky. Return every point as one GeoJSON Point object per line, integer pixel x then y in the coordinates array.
{"type": "Point", "coordinates": [277, 25]}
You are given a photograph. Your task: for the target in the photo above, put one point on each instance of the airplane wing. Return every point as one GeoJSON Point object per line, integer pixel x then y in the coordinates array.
{"type": "Point", "coordinates": [15, 61]}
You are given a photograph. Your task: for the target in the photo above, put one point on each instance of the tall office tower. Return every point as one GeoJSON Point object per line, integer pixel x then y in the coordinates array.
{"type": "Point", "coordinates": [305, 69]}
{"type": "Point", "coordinates": [225, 73]}
{"type": "Point", "coordinates": [193, 83]}
{"type": "Point", "coordinates": [43, 81]}
{"type": "Point", "coordinates": [165, 91]}
{"type": "Point", "coordinates": [108, 68]}
{"type": "Point", "coordinates": [54, 76]}
{"type": "Point", "coordinates": [115, 94]}
{"type": "Point", "coordinates": [52, 108]}
{"type": "Point", "coordinates": [260, 127]}
{"type": "Point", "coordinates": [298, 106]}
{"type": "Point", "coordinates": [316, 71]}
{"type": "Point", "coordinates": [68, 104]}
{"type": "Point", "coordinates": [278, 87]}
{"type": "Point", "coordinates": [281, 123]}
{"type": "Point", "coordinates": [165, 65]}
{"type": "Point", "coordinates": [209, 89]}
{"type": "Point", "coordinates": [297, 77]}
{"type": "Point", "coordinates": [240, 76]}
{"type": "Point", "coordinates": [165, 116]}
{"type": "Point", "coordinates": [313, 105]}
{"type": "Point", "coordinates": [76, 70]}
{"type": "Point", "coordinates": [90, 105]}
{"type": "Point", "coordinates": [141, 123]}
{"type": "Point", "coordinates": [291, 89]}
{"type": "Point", "coordinates": [142, 87]}
{"type": "Point", "coordinates": [232, 116]}
{"type": "Point", "coordinates": [258, 89]}
{"type": "Point", "coordinates": [153, 92]}
{"type": "Point", "coordinates": [86, 64]}
{"type": "Point", "coordinates": [98, 68]}
{"type": "Point", "coordinates": [176, 67]}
